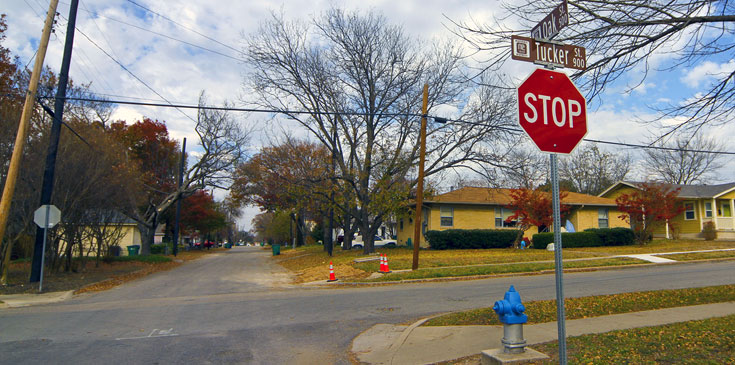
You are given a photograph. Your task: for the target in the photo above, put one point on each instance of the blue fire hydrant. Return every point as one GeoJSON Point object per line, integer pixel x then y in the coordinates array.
{"type": "Point", "coordinates": [510, 310]}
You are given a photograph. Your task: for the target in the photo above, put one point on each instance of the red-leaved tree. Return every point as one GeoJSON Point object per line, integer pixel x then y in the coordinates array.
{"type": "Point", "coordinates": [533, 208]}
{"type": "Point", "coordinates": [648, 208]}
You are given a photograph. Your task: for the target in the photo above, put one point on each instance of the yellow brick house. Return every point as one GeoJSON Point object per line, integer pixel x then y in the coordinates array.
{"type": "Point", "coordinates": [485, 208]}
{"type": "Point", "coordinates": [702, 204]}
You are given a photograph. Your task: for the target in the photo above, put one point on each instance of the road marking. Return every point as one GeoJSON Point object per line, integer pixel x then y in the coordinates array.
{"type": "Point", "coordinates": [155, 333]}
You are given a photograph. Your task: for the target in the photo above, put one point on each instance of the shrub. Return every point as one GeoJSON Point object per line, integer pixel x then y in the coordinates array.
{"type": "Point", "coordinates": [569, 240]}
{"type": "Point", "coordinates": [708, 231]}
{"type": "Point", "coordinates": [592, 237]}
{"type": "Point", "coordinates": [470, 238]}
{"type": "Point", "coordinates": [148, 259]}
{"type": "Point", "coordinates": [614, 236]}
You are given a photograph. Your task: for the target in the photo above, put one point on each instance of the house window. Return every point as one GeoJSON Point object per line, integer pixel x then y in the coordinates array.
{"type": "Point", "coordinates": [602, 218]}
{"type": "Point", "coordinates": [708, 210]}
{"type": "Point", "coordinates": [447, 216]}
{"type": "Point", "coordinates": [401, 224]}
{"type": "Point", "coordinates": [501, 214]}
{"type": "Point", "coordinates": [689, 211]}
{"type": "Point", "coordinates": [724, 210]}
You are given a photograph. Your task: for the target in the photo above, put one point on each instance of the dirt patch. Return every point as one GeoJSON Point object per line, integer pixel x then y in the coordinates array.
{"type": "Point", "coordinates": [91, 278]}
{"type": "Point", "coordinates": [322, 273]}
{"type": "Point", "coordinates": [19, 275]}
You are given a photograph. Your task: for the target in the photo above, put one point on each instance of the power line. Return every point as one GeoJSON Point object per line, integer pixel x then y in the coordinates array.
{"type": "Point", "coordinates": [183, 26]}
{"type": "Point", "coordinates": [436, 118]}
{"type": "Point", "coordinates": [136, 77]}
{"type": "Point", "coordinates": [164, 35]}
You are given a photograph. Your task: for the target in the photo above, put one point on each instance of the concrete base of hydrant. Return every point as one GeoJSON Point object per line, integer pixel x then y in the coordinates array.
{"type": "Point", "coordinates": [497, 357]}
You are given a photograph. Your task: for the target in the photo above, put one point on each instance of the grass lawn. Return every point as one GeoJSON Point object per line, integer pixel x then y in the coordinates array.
{"type": "Point", "coordinates": [656, 246]}
{"type": "Point", "coordinates": [709, 341]}
{"type": "Point", "coordinates": [311, 263]}
{"type": "Point", "coordinates": [545, 310]}
{"type": "Point", "coordinates": [90, 277]}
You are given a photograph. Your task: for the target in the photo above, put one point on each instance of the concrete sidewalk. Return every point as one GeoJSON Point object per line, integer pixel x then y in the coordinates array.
{"type": "Point", "coordinates": [25, 300]}
{"type": "Point", "coordinates": [396, 344]}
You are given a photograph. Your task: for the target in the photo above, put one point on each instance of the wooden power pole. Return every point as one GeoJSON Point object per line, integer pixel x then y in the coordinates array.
{"type": "Point", "coordinates": [20, 138]}
{"type": "Point", "coordinates": [420, 185]}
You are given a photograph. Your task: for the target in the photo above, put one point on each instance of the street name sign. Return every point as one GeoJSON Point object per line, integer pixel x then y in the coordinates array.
{"type": "Point", "coordinates": [54, 216]}
{"type": "Point", "coordinates": [552, 23]}
{"type": "Point", "coordinates": [548, 53]}
{"type": "Point", "coordinates": [552, 111]}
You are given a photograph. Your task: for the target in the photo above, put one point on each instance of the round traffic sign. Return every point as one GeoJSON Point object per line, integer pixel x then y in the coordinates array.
{"type": "Point", "coordinates": [552, 111]}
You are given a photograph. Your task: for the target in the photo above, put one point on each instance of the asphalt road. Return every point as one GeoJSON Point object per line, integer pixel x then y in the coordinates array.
{"type": "Point", "coordinates": [236, 307]}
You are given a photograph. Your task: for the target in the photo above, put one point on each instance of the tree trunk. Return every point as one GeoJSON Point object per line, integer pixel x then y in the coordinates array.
{"type": "Point", "coordinates": [146, 237]}
{"type": "Point", "coordinates": [300, 230]}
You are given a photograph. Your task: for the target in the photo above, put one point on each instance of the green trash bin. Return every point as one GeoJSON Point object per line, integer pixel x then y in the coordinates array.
{"type": "Point", "coordinates": [133, 250]}
{"type": "Point", "coordinates": [228, 245]}
{"type": "Point", "coordinates": [276, 249]}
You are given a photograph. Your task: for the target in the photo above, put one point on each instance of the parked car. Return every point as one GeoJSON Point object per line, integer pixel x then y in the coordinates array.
{"type": "Point", "coordinates": [377, 241]}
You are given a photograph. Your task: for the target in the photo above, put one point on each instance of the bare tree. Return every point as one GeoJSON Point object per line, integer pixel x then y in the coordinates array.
{"type": "Point", "coordinates": [591, 170]}
{"type": "Point", "coordinates": [624, 38]}
{"type": "Point", "coordinates": [358, 77]}
{"type": "Point", "coordinates": [687, 161]}
{"type": "Point", "coordinates": [222, 141]}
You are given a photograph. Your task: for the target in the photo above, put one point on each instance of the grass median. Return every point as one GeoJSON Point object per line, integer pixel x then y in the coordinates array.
{"type": "Point", "coordinates": [311, 263]}
{"type": "Point", "coordinates": [545, 310]}
{"type": "Point", "coordinates": [526, 267]}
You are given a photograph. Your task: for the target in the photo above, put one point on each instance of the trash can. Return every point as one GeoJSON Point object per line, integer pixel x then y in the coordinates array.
{"type": "Point", "coordinates": [228, 245]}
{"type": "Point", "coordinates": [115, 251]}
{"type": "Point", "coordinates": [276, 249]}
{"type": "Point", "coordinates": [133, 250]}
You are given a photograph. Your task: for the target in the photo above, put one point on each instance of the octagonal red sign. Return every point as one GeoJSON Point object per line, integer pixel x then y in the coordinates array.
{"type": "Point", "coordinates": [552, 111]}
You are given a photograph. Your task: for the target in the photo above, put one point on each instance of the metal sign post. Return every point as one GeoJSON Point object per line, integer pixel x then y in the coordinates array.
{"type": "Point", "coordinates": [46, 216]}
{"type": "Point", "coordinates": [558, 263]}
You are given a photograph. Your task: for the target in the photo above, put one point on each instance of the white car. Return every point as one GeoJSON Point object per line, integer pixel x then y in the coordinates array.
{"type": "Point", "coordinates": [377, 241]}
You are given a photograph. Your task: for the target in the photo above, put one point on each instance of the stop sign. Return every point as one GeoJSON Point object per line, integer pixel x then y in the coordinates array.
{"type": "Point", "coordinates": [552, 111]}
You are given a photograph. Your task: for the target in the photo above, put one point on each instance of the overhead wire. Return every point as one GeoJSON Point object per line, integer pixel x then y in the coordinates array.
{"type": "Point", "coordinates": [183, 26]}
{"type": "Point", "coordinates": [441, 120]}
{"type": "Point", "coordinates": [165, 36]}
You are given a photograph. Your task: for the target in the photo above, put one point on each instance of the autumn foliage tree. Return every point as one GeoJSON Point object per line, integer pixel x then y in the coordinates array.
{"type": "Point", "coordinates": [221, 146]}
{"type": "Point", "coordinates": [292, 176]}
{"type": "Point", "coordinates": [532, 207]}
{"type": "Point", "coordinates": [200, 213]}
{"type": "Point", "coordinates": [648, 208]}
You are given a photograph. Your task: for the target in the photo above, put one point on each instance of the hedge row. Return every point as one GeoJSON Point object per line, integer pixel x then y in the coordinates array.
{"type": "Point", "coordinates": [593, 237]}
{"type": "Point", "coordinates": [470, 238]}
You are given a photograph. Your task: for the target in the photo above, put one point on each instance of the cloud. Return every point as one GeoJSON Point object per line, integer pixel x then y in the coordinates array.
{"type": "Point", "coordinates": [707, 72]}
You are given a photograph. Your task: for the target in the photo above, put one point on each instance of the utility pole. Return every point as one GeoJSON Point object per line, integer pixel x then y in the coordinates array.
{"type": "Point", "coordinates": [420, 185]}
{"type": "Point", "coordinates": [330, 246]}
{"type": "Point", "coordinates": [178, 201]}
{"type": "Point", "coordinates": [20, 138]}
{"type": "Point", "coordinates": [48, 174]}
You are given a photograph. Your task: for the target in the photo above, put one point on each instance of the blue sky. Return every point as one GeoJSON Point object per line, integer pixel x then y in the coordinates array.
{"type": "Point", "coordinates": [179, 71]}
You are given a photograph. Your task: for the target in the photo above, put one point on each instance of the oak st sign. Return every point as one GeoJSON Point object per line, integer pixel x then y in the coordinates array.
{"type": "Point", "coordinates": [552, 23]}
{"type": "Point", "coordinates": [552, 111]}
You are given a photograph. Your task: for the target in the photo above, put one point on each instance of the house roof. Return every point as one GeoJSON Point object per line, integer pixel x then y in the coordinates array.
{"type": "Point", "coordinates": [490, 196]}
{"type": "Point", "coordinates": [686, 191]}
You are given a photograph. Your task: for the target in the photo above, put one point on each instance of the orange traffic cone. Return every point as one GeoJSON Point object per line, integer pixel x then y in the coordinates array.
{"type": "Point", "coordinates": [385, 264]}
{"type": "Point", "coordinates": [382, 264]}
{"type": "Point", "coordinates": [331, 273]}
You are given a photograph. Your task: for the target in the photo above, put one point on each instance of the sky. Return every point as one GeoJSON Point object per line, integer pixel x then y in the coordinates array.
{"type": "Point", "coordinates": [203, 52]}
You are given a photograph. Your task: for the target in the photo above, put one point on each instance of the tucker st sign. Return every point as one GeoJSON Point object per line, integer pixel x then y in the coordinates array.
{"type": "Point", "coordinates": [548, 53]}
